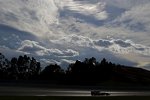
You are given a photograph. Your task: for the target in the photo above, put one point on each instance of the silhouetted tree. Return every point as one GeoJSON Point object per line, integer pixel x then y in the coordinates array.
{"type": "Point", "coordinates": [4, 65]}
{"type": "Point", "coordinates": [13, 70]}
{"type": "Point", "coordinates": [24, 68]}
{"type": "Point", "coordinates": [52, 72]}
{"type": "Point", "coordinates": [89, 71]}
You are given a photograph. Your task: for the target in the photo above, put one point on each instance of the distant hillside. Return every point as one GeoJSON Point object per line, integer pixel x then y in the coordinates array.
{"type": "Point", "coordinates": [131, 75]}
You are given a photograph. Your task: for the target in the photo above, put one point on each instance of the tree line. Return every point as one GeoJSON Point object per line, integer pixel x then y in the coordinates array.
{"type": "Point", "coordinates": [89, 71]}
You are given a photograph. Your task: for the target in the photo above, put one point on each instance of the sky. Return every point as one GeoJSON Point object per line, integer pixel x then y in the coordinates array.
{"type": "Point", "coordinates": [62, 31]}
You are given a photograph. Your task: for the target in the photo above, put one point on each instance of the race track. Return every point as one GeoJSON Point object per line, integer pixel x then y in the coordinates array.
{"type": "Point", "coordinates": [28, 91]}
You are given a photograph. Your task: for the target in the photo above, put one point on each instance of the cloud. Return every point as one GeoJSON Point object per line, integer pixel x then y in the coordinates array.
{"type": "Point", "coordinates": [70, 53]}
{"type": "Point", "coordinates": [62, 31]}
{"type": "Point", "coordinates": [12, 37]}
{"type": "Point", "coordinates": [30, 46]}
{"type": "Point", "coordinates": [9, 53]}
{"type": "Point", "coordinates": [123, 43]}
{"type": "Point", "coordinates": [65, 62]}
{"type": "Point", "coordinates": [137, 18]}
{"type": "Point", "coordinates": [29, 15]}
{"type": "Point", "coordinates": [122, 46]}
{"type": "Point", "coordinates": [103, 43]}
{"type": "Point", "coordinates": [34, 47]}
{"type": "Point", "coordinates": [95, 10]}
{"type": "Point", "coordinates": [113, 45]}
{"type": "Point", "coordinates": [74, 41]}
{"type": "Point", "coordinates": [89, 27]}
{"type": "Point", "coordinates": [126, 4]}
{"type": "Point", "coordinates": [49, 61]}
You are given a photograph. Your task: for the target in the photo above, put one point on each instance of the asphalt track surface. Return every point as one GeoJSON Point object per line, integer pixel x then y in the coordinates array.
{"type": "Point", "coordinates": [29, 91]}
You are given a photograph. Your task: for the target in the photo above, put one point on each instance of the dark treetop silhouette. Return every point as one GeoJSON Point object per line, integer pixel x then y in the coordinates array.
{"type": "Point", "coordinates": [88, 72]}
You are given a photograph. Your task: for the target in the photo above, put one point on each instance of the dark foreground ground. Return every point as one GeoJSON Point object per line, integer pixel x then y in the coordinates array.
{"type": "Point", "coordinates": [51, 85]}
{"type": "Point", "coordinates": [74, 98]}
{"type": "Point", "coordinates": [16, 88]}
